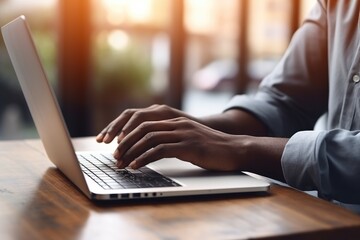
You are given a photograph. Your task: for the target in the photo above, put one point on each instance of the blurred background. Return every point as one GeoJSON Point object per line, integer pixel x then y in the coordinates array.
{"type": "Point", "coordinates": [103, 56]}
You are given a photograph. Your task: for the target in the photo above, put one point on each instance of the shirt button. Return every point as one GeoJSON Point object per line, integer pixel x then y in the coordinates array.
{"type": "Point", "coordinates": [356, 78]}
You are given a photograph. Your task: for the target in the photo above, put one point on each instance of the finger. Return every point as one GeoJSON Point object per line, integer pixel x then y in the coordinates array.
{"type": "Point", "coordinates": [136, 135]}
{"type": "Point", "coordinates": [114, 128]}
{"type": "Point", "coordinates": [137, 119]}
{"type": "Point", "coordinates": [149, 141]}
{"type": "Point", "coordinates": [121, 137]}
{"type": "Point", "coordinates": [100, 137]}
{"type": "Point", "coordinates": [140, 116]}
{"type": "Point", "coordinates": [152, 113]}
{"type": "Point", "coordinates": [160, 151]}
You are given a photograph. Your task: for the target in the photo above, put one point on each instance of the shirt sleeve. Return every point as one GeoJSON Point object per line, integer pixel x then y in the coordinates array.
{"type": "Point", "coordinates": [290, 100]}
{"type": "Point", "coordinates": [294, 95]}
{"type": "Point", "coordinates": [328, 161]}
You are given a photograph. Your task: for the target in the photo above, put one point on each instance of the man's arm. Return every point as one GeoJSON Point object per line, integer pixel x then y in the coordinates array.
{"type": "Point", "coordinates": [219, 142]}
{"type": "Point", "coordinates": [236, 121]}
{"type": "Point", "coordinates": [290, 99]}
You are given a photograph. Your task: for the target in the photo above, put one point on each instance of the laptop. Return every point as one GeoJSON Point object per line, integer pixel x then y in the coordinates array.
{"type": "Point", "coordinates": [95, 173]}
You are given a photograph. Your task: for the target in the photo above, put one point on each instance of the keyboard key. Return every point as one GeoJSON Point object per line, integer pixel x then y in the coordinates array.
{"type": "Point", "coordinates": [102, 169]}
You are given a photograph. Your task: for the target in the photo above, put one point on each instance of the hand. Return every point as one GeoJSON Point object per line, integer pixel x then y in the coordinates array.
{"type": "Point", "coordinates": [184, 139]}
{"type": "Point", "coordinates": [147, 135]}
{"type": "Point", "coordinates": [131, 118]}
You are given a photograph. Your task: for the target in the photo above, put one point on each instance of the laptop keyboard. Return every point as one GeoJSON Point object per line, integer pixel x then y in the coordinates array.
{"type": "Point", "coordinates": [102, 169]}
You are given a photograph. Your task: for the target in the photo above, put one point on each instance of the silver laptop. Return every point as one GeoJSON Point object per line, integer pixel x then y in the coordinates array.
{"type": "Point", "coordinates": [95, 173]}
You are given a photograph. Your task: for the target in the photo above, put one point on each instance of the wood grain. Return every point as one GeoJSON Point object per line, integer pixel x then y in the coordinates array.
{"type": "Point", "coordinates": [38, 202]}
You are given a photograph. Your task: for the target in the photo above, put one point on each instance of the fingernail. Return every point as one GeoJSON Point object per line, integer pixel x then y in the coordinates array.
{"type": "Point", "coordinates": [106, 138]}
{"type": "Point", "coordinates": [119, 163]}
{"type": "Point", "coordinates": [133, 165]}
{"type": "Point", "coordinates": [99, 136]}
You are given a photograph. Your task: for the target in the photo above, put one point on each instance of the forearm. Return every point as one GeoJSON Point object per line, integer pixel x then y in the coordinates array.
{"type": "Point", "coordinates": [265, 156]}
{"type": "Point", "coordinates": [263, 153]}
{"type": "Point", "coordinates": [237, 122]}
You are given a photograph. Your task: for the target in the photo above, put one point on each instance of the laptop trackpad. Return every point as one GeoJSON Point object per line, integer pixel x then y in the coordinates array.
{"type": "Point", "coordinates": [188, 174]}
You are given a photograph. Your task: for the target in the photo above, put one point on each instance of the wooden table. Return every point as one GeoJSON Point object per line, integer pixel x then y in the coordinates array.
{"type": "Point", "coordinates": [38, 202]}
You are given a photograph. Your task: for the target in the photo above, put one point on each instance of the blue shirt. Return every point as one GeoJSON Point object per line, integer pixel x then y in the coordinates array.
{"type": "Point", "coordinates": [319, 73]}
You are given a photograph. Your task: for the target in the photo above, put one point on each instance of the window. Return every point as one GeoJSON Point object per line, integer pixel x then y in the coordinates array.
{"type": "Point", "coordinates": [126, 56]}
{"type": "Point", "coordinates": [15, 120]}
{"type": "Point", "coordinates": [130, 49]}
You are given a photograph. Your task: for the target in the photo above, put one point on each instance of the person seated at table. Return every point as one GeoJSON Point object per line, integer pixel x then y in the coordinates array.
{"type": "Point", "coordinates": [271, 133]}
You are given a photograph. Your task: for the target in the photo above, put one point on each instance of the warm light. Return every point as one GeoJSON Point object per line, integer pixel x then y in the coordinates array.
{"type": "Point", "coordinates": [115, 18]}
{"type": "Point", "coordinates": [140, 10]}
{"type": "Point", "coordinates": [201, 16]}
{"type": "Point", "coordinates": [118, 11]}
{"type": "Point", "coordinates": [114, 4]}
{"type": "Point", "coordinates": [16, 6]}
{"type": "Point", "coordinates": [118, 40]}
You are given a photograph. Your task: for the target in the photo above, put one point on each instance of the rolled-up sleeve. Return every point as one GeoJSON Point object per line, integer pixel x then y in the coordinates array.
{"type": "Point", "coordinates": [295, 94]}
{"type": "Point", "coordinates": [328, 161]}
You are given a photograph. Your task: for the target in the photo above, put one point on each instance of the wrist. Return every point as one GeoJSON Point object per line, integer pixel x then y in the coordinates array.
{"type": "Point", "coordinates": [264, 156]}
